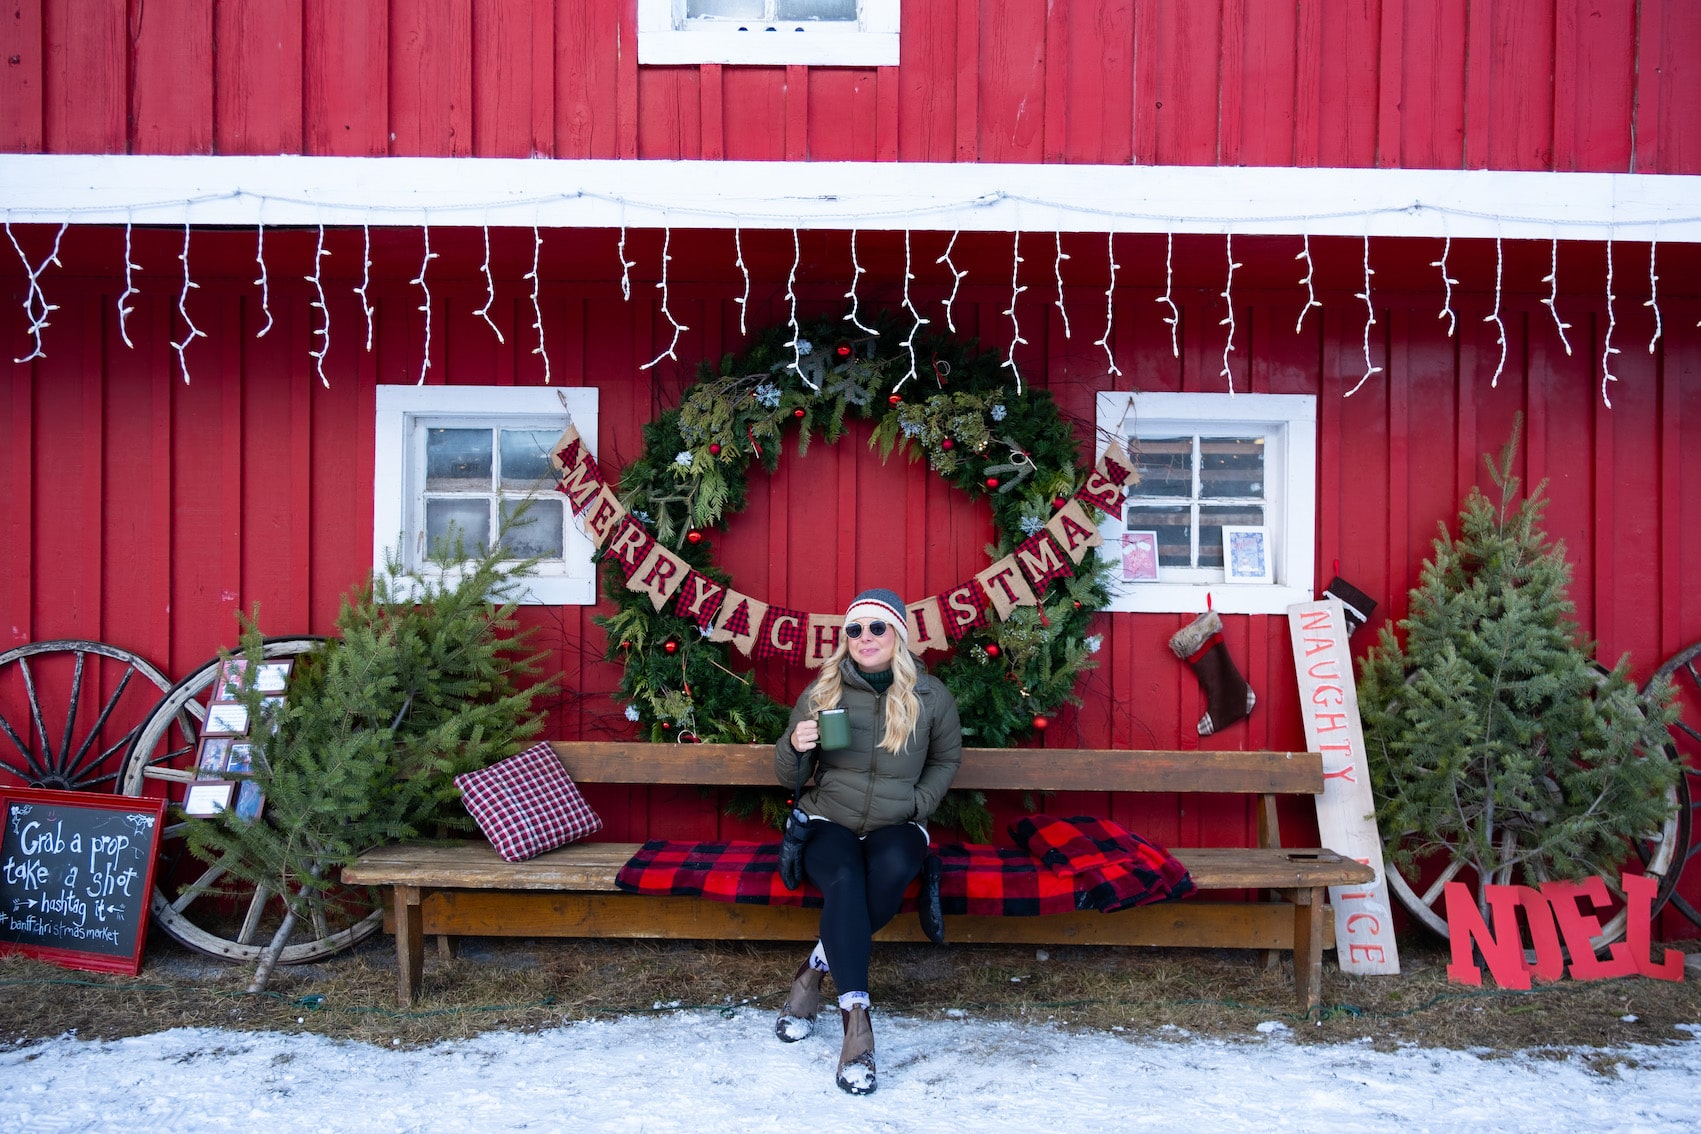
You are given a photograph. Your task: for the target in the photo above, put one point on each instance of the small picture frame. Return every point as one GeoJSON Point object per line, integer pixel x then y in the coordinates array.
{"type": "Point", "coordinates": [1140, 556]}
{"type": "Point", "coordinates": [271, 712]}
{"type": "Point", "coordinates": [241, 758]}
{"type": "Point", "coordinates": [208, 799]}
{"type": "Point", "coordinates": [225, 720]}
{"type": "Point", "coordinates": [1246, 555]}
{"type": "Point", "coordinates": [272, 676]}
{"type": "Point", "coordinates": [227, 686]}
{"type": "Point", "coordinates": [210, 758]}
{"type": "Point", "coordinates": [249, 800]}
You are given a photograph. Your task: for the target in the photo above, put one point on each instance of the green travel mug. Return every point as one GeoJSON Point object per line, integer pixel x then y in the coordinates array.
{"type": "Point", "coordinates": [835, 729]}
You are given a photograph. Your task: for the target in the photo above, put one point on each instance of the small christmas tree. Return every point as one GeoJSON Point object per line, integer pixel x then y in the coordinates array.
{"type": "Point", "coordinates": [1493, 735]}
{"type": "Point", "coordinates": [419, 687]}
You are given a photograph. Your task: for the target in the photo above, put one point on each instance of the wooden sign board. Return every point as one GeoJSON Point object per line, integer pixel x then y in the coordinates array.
{"type": "Point", "coordinates": [1346, 811]}
{"type": "Point", "coordinates": [76, 876]}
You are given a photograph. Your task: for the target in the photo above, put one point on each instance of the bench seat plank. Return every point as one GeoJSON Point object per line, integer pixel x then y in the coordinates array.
{"type": "Point", "coordinates": [591, 867]}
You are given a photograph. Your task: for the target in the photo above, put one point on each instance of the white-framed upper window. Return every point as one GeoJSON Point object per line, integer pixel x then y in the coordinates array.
{"type": "Point", "coordinates": [826, 33]}
{"type": "Point", "coordinates": [1206, 462]}
{"type": "Point", "coordinates": [461, 462]}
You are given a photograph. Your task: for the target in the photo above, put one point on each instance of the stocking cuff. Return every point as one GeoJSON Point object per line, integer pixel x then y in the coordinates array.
{"type": "Point", "coordinates": [1193, 637]}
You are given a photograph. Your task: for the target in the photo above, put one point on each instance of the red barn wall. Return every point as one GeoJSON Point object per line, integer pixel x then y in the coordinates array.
{"type": "Point", "coordinates": [1599, 85]}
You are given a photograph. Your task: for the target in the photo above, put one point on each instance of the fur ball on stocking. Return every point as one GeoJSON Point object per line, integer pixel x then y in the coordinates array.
{"type": "Point", "coordinates": [1227, 696]}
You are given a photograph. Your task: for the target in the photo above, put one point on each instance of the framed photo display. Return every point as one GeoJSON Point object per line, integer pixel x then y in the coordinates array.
{"type": "Point", "coordinates": [1140, 556]}
{"type": "Point", "coordinates": [1246, 555]}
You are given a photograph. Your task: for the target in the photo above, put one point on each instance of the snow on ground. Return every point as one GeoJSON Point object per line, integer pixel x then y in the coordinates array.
{"type": "Point", "coordinates": [702, 1071]}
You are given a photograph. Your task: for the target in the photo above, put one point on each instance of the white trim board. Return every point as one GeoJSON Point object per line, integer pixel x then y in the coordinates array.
{"type": "Point", "coordinates": [296, 190]}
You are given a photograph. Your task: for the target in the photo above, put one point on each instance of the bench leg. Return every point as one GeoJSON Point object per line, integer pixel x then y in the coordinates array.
{"type": "Point", "coordinates": [1308, 948]}
{"type": "Point", "coordinates": [410, 944]}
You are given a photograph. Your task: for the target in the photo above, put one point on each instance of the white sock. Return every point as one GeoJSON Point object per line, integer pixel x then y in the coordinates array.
{"type": "Point", "coordinates": [818, 959]}
{"type": "Point", "coordinates": [852, 999]}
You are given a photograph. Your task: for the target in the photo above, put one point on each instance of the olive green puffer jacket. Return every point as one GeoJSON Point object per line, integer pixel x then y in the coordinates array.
{"type": "Point", "coordinates": [864, 786]}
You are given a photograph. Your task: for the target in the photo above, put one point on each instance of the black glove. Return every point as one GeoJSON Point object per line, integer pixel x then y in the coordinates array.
{"type": "Point", "coordinates": [791, 849]}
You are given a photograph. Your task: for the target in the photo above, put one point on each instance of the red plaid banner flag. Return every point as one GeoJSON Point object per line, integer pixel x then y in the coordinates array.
{"type": "Point", "coordinates": [699, 599]}
{"type": "Point", "coordinates": [964, 607]}
{"type": "Point", "coordinates": [781, 635]}
{"type": "Point", "coordinates": [1042, 561]}
{"type": "Point", "coordinates": [630, 545]}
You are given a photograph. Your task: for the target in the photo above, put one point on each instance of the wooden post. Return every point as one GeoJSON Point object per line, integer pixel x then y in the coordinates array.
{"type": "Point", "coordinates": [410, 943]}
{"type": "Point", "coordinates": [1308, 947]}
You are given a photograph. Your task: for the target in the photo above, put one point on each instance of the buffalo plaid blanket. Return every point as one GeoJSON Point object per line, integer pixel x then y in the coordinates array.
{"type": "Point", "coordinates": [977, 879]}
{"type": "Point", "coordinates": [1112, 867]}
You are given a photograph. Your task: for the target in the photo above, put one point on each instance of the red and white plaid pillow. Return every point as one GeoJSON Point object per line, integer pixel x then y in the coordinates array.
{"type": "Point", "coordinates": [527, 804]}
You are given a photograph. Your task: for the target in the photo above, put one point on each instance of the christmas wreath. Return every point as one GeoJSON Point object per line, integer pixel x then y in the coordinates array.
{"type": "Point", "coordinates": [949, 403]}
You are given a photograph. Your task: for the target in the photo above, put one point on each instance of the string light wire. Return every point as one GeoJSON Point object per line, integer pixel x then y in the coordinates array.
{"type": "Point", "coordinates": [956, 280]}
{"type": "Point", "coordinates": [1369, 321]}
{"type": "Point", "coordinates": [1552, 300]}
{"type": "Point", "coordinates": [1228, 301]}
{"type": "Point", "coordinates": [857, 272]}
{"type": "Point", "coordinates": [1607, 349]}
{"type": "Point", "coordinates": [419, 282]}
{"type": "Point", "coordinates": [191, 332]}
{"type": "Point", "coordinates": [489, 292]}
{"type": "Point", "coordinates": [537, 308]}
{"type": "Point", "coordinates": [130, 288]}
{"type": "Point", "coordinates": [743, 301]}
{"type": "Point", "coordinates": [1653, 299]}
{"type": "Point", "coordinates": [1174, 316]}
{"type": "Point", "coordinates": [1057, 268]}
{"type": "Point", "coordinates": [264, 282]}
{"type": "Point", "coordinates": [1015, 327]}
{"type": "Point", "coordinates": [909, 305]}
{"type": "Point", "coordinates": [678, 327]}
{"type": "Point", "coordinates": [1109, 305]}
{"type": "Point", "coordinates": [796, 342]}
{"type": "Point", "coordinates": [323, 330]}
{"type": "Point", "coordinates": [1310, 288]}
{"type": "Point", "coordinates": [1494, 316]}
{"type": "Point", "coordinates": [1447, 283]}
{"type": "Point", "coordinates": [34, 296]}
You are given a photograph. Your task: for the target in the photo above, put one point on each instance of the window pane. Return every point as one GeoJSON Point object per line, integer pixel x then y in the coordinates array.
{"type": "Point", "coordinates": [538, 532]}
{"type": "Point", "coordinates": [1211, 521]}
{"type": "Point", "coordinates": [816, 9]}
{"type": "Point", "coordinates": [1165, 465]}
{"type": "Point", "coordinates": [457, 460]}
{"type": "Point", "coordinates": [1231, 467]}
{"type": "Point", "coordinates": [449, 520]}
{"type": "Point", "coordinates": [724, 9]}
{"type": "Point", "coordinates": [1174, 527]}
{"type": "Point", "coordinates": [525, 459]}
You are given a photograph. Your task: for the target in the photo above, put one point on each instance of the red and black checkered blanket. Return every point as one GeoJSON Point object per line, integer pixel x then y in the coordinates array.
{"type": "Point", "coordinates": [977, 879]}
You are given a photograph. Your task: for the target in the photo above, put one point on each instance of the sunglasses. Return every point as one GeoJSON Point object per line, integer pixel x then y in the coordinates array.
{"type": "Point", "coordinates": [876, 628]}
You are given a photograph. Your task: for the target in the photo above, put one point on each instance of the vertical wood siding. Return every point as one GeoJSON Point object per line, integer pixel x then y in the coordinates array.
{"type": "Point", "coordinates": [1598, 85]}
{"type": "Point", "coordinates": [147, 513]}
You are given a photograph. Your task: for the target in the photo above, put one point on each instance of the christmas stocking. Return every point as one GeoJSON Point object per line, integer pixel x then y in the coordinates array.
{"type": "Point", "coordinates": [1227, 696]}
{"type": "Point", "coordinates": [1358, 605]}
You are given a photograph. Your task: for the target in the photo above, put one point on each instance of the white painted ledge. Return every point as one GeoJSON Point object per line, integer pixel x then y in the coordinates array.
{"type": "Point", "coordinates": [292, 190]}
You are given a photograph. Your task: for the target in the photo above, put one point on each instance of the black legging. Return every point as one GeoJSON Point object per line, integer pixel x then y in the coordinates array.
{"type": "Point", "coordinates": [862, 882]}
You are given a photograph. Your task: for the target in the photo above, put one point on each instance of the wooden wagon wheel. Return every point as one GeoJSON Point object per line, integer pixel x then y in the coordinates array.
{"type": "Point", "coordinates": [1659, 852]}
{"type": "Point", "coordinates": [43, 683]}
{"type": "Point", "coordinates": [202, 906]}
{"type": "Point", "coordinates": [1685, 748]}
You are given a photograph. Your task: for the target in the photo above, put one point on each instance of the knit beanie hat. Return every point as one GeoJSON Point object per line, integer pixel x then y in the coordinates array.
{"type": "Point", "coordinates": [878, 602]}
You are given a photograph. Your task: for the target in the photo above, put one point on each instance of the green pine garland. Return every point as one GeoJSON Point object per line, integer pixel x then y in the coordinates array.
{"type": "Point", "coordinates": [694, 473]}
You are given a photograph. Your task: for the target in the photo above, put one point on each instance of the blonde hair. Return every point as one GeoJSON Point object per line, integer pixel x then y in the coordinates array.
{"type": "Point", "coordinates": [903, 707]}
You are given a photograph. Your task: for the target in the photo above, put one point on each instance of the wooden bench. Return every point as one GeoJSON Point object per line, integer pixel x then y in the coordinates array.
{"type": "Point", "coordinates": [464, 888]}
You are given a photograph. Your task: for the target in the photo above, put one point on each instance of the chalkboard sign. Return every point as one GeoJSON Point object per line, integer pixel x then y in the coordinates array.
{"type": "Point", "coordinates": [76, 876]}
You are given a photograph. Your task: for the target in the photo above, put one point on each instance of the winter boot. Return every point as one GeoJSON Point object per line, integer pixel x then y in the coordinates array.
{"type": "Point", "coordinates": [856, 1057]}
{"type": "Point", "coordinates": [797, 1018]}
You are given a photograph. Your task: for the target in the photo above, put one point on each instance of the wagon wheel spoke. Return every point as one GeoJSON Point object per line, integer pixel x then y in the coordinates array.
{"type": "Point", "coordinates": [35, 770]}
{"type": "Point", "coordinates": [41, 680]}
{"type": "Point", "coordinates": [76, 698]}
{"type": "Point", "coordinates": [251, 919]}
{"type": "Point", "coordinates": [1431, 895]}
{"type": "Point", "coordinates": [197, 889]}
{"type": "Point", "coordinates": [76, 759]}
{"type": "Point", "coordinates": [35, 708]}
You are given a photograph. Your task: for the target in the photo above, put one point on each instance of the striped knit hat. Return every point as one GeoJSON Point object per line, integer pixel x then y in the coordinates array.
{"type": "Point", "coordinates": [878, 602]}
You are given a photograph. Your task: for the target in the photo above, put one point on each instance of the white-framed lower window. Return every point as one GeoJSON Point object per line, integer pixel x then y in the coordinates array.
{"type": "Point", "coordinates": [1206, 462]}
{"type": "Point", "coordinates": [473, 463]}
{"type": "Point", "coordinates": [827, 33]}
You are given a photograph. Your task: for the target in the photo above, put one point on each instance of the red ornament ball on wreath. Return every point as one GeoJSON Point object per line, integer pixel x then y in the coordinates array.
{"type": "Point", "coordinates": [714, 448]}
{"type": "Point", "coordinates": [798, 412]}
{"type": "Point", "coordinates": [671, 645]}
{"type": "Point", "coordinates": [1041, 724]}
{"type": "Point", "coordinates": [947, 444]}
{"type": "Point", "coordinates": [693, 536]}
{"type": "Point", "coordinates": [993, 651]}
{"type": "Point", "coordinates": [894, 399]}
{"type": "Point", "coordinates": [992, 482]}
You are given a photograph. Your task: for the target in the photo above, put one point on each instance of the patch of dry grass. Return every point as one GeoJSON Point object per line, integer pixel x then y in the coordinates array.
{"type": "Point", "coordinates": [495, 984]}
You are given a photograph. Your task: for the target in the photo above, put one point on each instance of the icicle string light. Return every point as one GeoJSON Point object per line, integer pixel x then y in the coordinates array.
{"type": "Point", "coordinates": [956, 280]}
{"type": "Point", "coordinates": [537, 308]}
{"type": "Point", "coordinates": [1447, 283]}
{"type": "Point", "coordinates": [1607, 349]}
{"type": "Point", "coordinates": [489, 292]}
{"type": "Point", "coordinates": [626, 267]}
{"type": "Point", "coordinates": [857, 271]}
{"type": "Point", "coordinates": [678, 327]}
{"type": "Point", "coordinates": [1174, 316]}
{"type": "Point", "coordinates": [419, 282]}
{"type": "Point", "coordinates": [366, 279]}
{"type": "Point", "coordinates": [1552, 300]}
{"type": "Point", "coordinates": [1016, 291]}
{"type": "Point", "coordinates": [909, 305]}
{"type": "Point", "coordinates": [1369, 321]}
{"type": "Point", "coordinates": [743, 301]}
{"type": "Point", "coordinates": [796, 341]}
{"type": "Point", "coordinates": [191, 332]}
{"type": "Point", "coordinates": [1653, 299]}
{"type": "Point", "coordinates": [1057, 269]}
{"type": "Point", "coordinates": [36, 307]}
{"type": "Point", "coordinates": [264, 282]}
{"type": "Point", "coordinates": [323, 331]}
{"type": "Point", "coordinates": [124, 308]}
{"type": "Point", "coordinates": [1494, 316]}
{"type": "Point", "coordinates": [1310, 288]}
{"type": "Point", "coordinates": [1109, 305]}
{"type": "Point", "coordinates": [1228, 301]}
